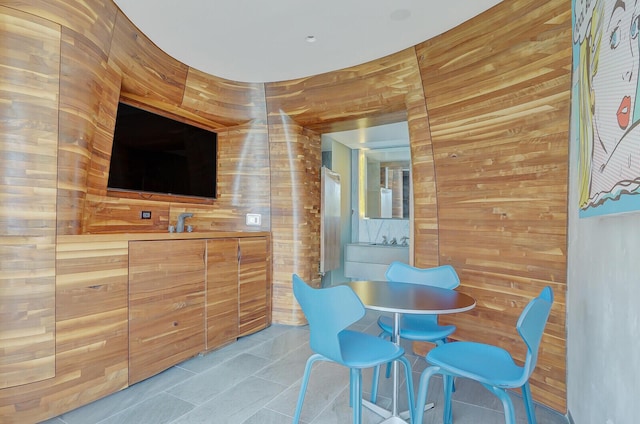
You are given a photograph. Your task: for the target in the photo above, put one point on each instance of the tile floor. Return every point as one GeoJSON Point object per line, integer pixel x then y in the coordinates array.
{"type": "Point", "coordinates": [256, 381]}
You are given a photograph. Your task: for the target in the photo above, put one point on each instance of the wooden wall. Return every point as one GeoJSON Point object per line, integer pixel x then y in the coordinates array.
{"type": "Point", "coordinates": [488, 110]}
{"type": "Point", "coordinates": [383, 91]}
{"type": "Point", "coordinates": [499, 127]}
{"type": "Point", "coordinates": [28, 153]}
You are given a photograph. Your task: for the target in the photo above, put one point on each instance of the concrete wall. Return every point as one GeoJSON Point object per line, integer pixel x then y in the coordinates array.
{"type": "Point", "coordinates": [603, 309]}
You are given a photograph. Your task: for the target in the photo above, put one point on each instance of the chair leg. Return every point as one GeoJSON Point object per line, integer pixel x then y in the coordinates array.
{"type": "Point", "coordinates": [356, 394]}
{"type": "Point", "coordinates": [421, 399]}
{"type": "Point", "coordinates": [376, 372]}
{"type": "Point", "coordinates": [440, 343]}
{"type": "Point", "coordinates": [409, 382]}
{"type": "Point", "coordinates": [528, 403]}
{"type": "Point", "coordinates": [385, 335]}
{"type": "Point", "coordinates": [374, 383]}
{"type": "Point", "coordinates": [447, 414]}
{"type": "Point", "coordinates": [303, 386]}
{"type": "Point", "coordinates": [507, 404]}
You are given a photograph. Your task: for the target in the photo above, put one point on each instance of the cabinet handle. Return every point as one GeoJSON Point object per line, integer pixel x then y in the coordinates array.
{"type": "Point", "coordinates": [175, 323]}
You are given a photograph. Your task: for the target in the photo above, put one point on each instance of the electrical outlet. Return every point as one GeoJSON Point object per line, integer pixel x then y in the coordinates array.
{"type": "Point", "coordinates": [254, 219]}
{"type": "Point", "coordinates": [145, 215]}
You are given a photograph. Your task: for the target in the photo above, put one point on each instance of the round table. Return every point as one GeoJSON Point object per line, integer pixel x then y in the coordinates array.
{"type": "Point", "coordinates": [406, 298]}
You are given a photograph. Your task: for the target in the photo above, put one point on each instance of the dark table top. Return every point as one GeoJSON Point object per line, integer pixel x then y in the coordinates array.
{"type": "Point", "coordinates": [409, 298]}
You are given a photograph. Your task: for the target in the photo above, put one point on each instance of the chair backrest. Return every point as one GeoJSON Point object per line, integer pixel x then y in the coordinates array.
{"type": "Point", "coordinates": [328, 311]}
{"type": "Point", "coordinates": [531, 325]}
{"type": "Point", "coordinates": [440, 276]}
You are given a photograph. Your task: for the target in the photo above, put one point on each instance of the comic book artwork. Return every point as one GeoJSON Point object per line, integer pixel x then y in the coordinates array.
{"type": "Point", "coordinates": [605, 119]}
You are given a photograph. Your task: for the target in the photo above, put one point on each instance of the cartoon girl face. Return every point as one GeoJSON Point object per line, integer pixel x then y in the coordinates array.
{"type": "Point", "coordinates": [615, 82]}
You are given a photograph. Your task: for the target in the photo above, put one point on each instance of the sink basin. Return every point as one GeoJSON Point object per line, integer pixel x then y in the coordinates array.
{"type": "Point", "coordinates": [369, 261]}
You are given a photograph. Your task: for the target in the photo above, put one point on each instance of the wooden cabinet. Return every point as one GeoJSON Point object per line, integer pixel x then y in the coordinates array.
{"type": "Point", "coordinates": [254, 301]}
{"type": "Point", "coordinates": [166, 304]}
{"type": "Point", "coordinates": [188, 296]}
{"type": "Point", "coordinates": [221, 305]}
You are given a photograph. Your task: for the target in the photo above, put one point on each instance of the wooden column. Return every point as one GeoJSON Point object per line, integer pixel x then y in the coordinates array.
{"type": "Point", "coordinates": [30, 56]}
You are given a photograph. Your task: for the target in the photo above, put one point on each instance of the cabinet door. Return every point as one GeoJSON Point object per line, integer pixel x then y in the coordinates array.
{"type": "Point", "coordinates": [222, 292]}
{"type": "Point", "coordinates": [166, 304]}
{"type": "Point", "coordinates": [253, 282]}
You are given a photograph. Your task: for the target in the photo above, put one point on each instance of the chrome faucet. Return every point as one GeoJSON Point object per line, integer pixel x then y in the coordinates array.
{"type": "Point", "coordinates": [394, 241]}
{"type": "Point", "coordinates": [181, 218]}
{"type": "Point", "coordinates": [384, 240]}
{"type": "Point", "coordinates": [403, 240]}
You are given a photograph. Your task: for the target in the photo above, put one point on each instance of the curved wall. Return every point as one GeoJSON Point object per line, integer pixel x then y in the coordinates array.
{"type": "Point", "coordinates": [488, 111]}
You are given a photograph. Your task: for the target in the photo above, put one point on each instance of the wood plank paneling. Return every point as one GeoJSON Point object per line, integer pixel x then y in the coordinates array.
{"type": "Point", "coordinates": [148, 74]}
{"type": "Point", "coordinates": [91, 332]}
{"type": "Point", "coordinates": [295, 208]}
{"type": "Point", "coordinates": [93, 19]}
{"type": "Point", "coordinates": [221, 302]}
{"type": "Point", "coordinates": [30, 55]}
{"type": "Point", "coordinates": [91, 321]}
{"type": "Point", "coordinates": [375, 89]}
{"type": "Point", "coordinates": [222, 102]}
{"type": "Point", "coordinates": [253, 282]}
{"type": "Point", "coordinates": [166, 304]}
{"type": "Point", "coordinates": [488, 161]}
{"type": "Point", "coordinates": [100, 146]}
{"type": "Point", "coordinates": [381, 91]}
{"type": "Point", "coordinates": [499, 121]}
{"type": "Point", "coordinates": [82, 68]}
{"type": "Point", "coordinates": [236, 111]}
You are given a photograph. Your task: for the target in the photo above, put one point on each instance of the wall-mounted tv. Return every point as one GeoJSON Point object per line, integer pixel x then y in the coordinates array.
{"type": "Point", "coordinates": [154, 154]}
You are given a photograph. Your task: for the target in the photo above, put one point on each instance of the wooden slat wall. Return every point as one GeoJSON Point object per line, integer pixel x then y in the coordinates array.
{"type": "Point", "coordinates": [494, 127]}
{"type": "Point", "coordinates": [91, 322]}
{"type": "Point", "coordinates": [91, 333]}
{"type": "Point", "coordinates": [148, 74]}
{"type": "Point", "coordinates": [92, 19]}
{"type": "Point", "coordinates": [29, 78]}
{"type": "Point", "coordinates": [295, 208]}
{"type": "Point", "coordinates": [253, 289]}
{"type": "Point", "coordinates": [500, 128]}
{"type": "Point", "coordinates": [382, 91]}
{"type": "Point", "coordinates": [221, 294]}
{"type": "Point", "coordinates": [82, 64]}
{"type": "Point", "coordinates": [166, 304]}
{"type": "Point", "coordinates": [236, 111]}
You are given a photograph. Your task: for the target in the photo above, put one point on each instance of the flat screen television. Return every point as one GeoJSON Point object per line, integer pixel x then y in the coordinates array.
{"type": "Point", "coordinates": [154, 154]}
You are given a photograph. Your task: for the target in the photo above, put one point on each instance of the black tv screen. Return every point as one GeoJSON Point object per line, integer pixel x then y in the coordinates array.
{"type": "Point", "coordinates": [155, 154]}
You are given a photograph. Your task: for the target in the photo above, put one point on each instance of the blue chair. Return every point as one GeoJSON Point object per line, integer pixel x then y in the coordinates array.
{"type": "Point", "coordinates": [329, 312]}
{"type": "Point", "coordinates": [421, 328]}
{"type": "Point", "coordinates": [490, 365]}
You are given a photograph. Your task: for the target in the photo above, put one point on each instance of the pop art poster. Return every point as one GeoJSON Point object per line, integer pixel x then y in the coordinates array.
{"type": "Point", "coordinates": [605, 111]}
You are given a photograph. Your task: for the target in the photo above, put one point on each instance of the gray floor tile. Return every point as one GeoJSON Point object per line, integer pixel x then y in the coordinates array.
{"type": "Point", "coordinates": [256, 380]}
{"type": "Point", "coordinates": [327, 381]}
{"type": "Point", "coordinates": [160, 409]}
{"type": "Point", "coordinates": [115, 403]}
{"type": "Point", "coordinates": [280, 345]}
{"type": "Point", "coordinates": [216, 380]}
{"type": "Point", "coordinates": [235, 405]}
{"type": "Point", "coordinates": [289, 368]}
{"type": "Point", "coordinates": [267, 416]}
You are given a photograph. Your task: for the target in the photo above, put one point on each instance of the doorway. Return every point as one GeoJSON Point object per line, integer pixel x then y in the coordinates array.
{"type": "Point", "coordinates": [385, 151]}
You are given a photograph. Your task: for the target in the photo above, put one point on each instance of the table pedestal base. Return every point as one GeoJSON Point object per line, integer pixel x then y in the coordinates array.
{"type": "Point", "coordinates": [403, 418]}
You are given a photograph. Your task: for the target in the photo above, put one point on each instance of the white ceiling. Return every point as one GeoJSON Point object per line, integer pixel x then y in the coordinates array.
{"type": "Point", "coordinates": [265, 41]}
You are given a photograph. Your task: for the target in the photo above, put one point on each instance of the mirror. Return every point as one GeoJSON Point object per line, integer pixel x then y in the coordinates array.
{"type": "Point", "coordinates": [385, 175]}
{"type": "Point", "coordinates": [380, 169]}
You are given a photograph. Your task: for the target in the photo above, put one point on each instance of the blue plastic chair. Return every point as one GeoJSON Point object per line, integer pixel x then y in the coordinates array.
{"type": "Point", "coordinates": [422, 328]}
{"type": "Point", "coordinates": [490, 365]}
{"type": "Point", "coordinates": [329, 312]}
